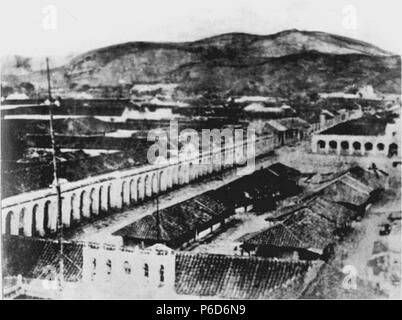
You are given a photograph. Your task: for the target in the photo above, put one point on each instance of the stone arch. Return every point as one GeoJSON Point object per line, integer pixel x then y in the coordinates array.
{"type": "Point", "coordinates": [84, 207]}
{"type": "Point", "coordinates": [109, 197]}
{"type": "Point", "coordinates": [180, 175]}
{"type": "Point", "coordinates": [100, 199]}
{"type": "Point", "coordinates": [368, 146]}
{"type": "Point", "coordinates": [21, 222]}
{"type": "Point", "coordinates": [155, 183]}
{"type": "Point", "coordinates": [125, 193]}
{"type": "Point", "coordinates": [345, 145]}
{"type": "Point", "coordinates": [140, 188]}
{"type": "Point", "coordinates": [35, 220]}
{"type": "Point", "coordinates": [169, 173]}
{"type": "Point", "coordinates": [393, 150]}
{"type": "Point", "coordinates": [163, 181]}
{"type": "Point", "coordinates": [357, 145]}
{"type": "Point", "coordinates": [333, 145]}
{"type": "Point", "coordinates": [133, 191]}
{"type": "Point", "coordinates": [321, 144]}
{"type": "Point", "coordinates": [380, 146]}
{"type": "Point", "coordinates": [10, 222]}
{"type": "Point", "coordinates": [74, 214]}
{"type": "Point", "coordinates": [47, 218]}
{"type": "Point", "coordinates": [175, 175]}
{"type": "Point", "coordinates": [93, 203]}
{"type": "Point", "coordinates": [148, 186]}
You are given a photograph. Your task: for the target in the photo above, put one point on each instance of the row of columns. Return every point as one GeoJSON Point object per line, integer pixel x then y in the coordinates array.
{"type": "Point", "coordinates": [39, 217]}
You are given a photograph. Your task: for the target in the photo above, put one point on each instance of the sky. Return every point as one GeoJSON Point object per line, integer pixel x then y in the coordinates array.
{"type": "Point", "coordinates": [38, 27]}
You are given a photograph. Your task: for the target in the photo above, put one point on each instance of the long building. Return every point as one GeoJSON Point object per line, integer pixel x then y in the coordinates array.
{"type": "Point", "coordinates": [377, 135]}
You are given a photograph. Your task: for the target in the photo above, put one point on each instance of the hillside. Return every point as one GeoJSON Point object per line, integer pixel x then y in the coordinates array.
{"type": "Point", "coordinates": [235, 63]}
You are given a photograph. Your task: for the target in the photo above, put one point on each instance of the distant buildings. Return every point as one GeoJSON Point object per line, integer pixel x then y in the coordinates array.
{"type": "Point", "coordinates": [260, 109]}
{"type": "Point", "coordinates": [288, 129]}
{"type": "Point", "coordinates": [365, 92]}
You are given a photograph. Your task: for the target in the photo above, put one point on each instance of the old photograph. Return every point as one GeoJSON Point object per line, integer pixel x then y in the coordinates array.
{"type": "Point", "coordinates": [200, 150]}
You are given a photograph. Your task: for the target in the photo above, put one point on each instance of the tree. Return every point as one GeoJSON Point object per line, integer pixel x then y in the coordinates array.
{"type": "Point", "coordinates": [22, 62]}
{"type": "Point", "coordinates": [28, 87]}
{"type": "Point", "coordinates": [6, 90]}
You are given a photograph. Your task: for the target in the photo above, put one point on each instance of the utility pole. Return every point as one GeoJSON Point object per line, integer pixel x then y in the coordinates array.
{"type": "Point", "coordinates": [56, 183]}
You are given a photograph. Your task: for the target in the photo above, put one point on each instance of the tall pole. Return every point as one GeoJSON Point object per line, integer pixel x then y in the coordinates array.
{"type": "Point", "coordinates": [56, 180]}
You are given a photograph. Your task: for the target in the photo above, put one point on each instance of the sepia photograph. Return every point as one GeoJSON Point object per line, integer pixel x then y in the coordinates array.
{"type": "Point", "coordinates": [225, 150]}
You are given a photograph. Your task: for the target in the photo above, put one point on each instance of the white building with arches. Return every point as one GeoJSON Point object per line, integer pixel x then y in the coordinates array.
{"type": "Point", "coordinates": [376, 135]}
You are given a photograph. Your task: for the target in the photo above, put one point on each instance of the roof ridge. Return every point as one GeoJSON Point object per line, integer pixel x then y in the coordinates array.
{"type": "Point", "coordinates": [359, 185]}
{"type": "Point", "coordinates": [230, 256]}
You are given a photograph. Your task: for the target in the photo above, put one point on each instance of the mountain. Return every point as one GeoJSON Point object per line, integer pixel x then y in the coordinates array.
{"type": "Point", "coordinates": [236, 63]}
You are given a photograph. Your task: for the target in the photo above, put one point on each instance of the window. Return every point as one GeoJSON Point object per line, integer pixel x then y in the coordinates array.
{"type": "Point", "coordinates": [146, 270]}
{"type": "Point", "coordinates": [380, 146]}
{"type": "Point", "coordinates": [93, 269]}
{"type": "Point", "coordinates": [162, 274]}
{"type": "Point", "coordinates": [109, 267]}
{"type": "Point", "coordinates": [127, 268]}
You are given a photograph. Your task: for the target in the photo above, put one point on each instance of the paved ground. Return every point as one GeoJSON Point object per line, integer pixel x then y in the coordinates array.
{"type": "Point", "coordinates": [225, 242]}
{"type": "Point", "coordinates": [359, 249]}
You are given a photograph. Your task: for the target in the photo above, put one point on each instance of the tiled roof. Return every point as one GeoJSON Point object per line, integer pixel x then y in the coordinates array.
{"type": "Point", "coordinates": [261, 183]}
{"type": "Point", "coordinates": [311, 224]}
{"type": "Point", "coordinates": [329, 284]}
{"type": "Point", "coordinates": [33, 258]}
{"type": "Point", "coordinates": [177, 221]}
{"type": "Point", "coordinates": [366, 126]}
{"type": "Point", "coordinates": [293, 123]}
{"type": "Point", "coordinates": [278, 235]}
{"type": "Point", "coordinates": [235, 277]}
{"type": "Point", "coordinates": [345, 189]}
{"type": "Point", "coordinates": [283, 212]}
{"type": "Point", "coordinates": [374, 179]}
{"type": "Point", "coordinates": [315, 231]}
{"type": "Point", "coordinates": [331, 210]}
